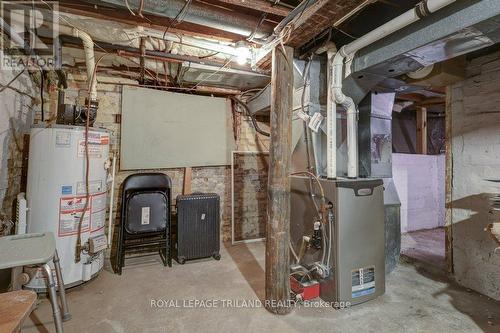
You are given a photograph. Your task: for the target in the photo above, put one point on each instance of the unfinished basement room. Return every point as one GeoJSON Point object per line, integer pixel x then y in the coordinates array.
{"type": "Point", "coordinates": [249, 166]}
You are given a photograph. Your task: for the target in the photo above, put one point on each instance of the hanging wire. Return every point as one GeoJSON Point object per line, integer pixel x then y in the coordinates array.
{"type": "Point", "coordinates": [179, 17]}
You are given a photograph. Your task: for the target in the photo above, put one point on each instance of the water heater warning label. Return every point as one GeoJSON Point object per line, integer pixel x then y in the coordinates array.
{"type": "Point", "coordinates": [71, 210]}
{"type": "Point", "coordinates": [95, 149]}
{"type": "Point", "coordinates": [363, 282]}
{"type": "Point", "coordinates": [70, 213]}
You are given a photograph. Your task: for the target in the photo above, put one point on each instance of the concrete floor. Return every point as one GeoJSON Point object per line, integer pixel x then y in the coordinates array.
{"type": "Point", "coordinates": [414, 302]}
{"type": "Point", "coordinates": [426, 246]}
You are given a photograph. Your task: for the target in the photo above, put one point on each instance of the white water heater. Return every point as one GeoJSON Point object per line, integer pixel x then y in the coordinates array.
{"type": "Point", "coordinates": [57, 193]}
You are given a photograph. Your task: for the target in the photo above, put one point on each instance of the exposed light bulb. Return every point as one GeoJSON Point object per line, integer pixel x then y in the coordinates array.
{"type": "Point", "coordinates": [242, 53]}
{"type": "Point", "coordinates": [241, 60]}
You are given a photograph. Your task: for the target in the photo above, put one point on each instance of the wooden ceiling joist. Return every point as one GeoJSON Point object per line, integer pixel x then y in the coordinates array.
{"type": "Point", "coordinates": [260, 5]}
{"type": "Point", "coordinates": [321, 16]}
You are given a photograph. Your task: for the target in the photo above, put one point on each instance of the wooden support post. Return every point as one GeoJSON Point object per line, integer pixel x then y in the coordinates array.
{"type": "Point", "coordinates": [421, 130]}
{"type": "Point", "coordinates": [278, 211]}
{"type": "Point", "coordinates": [142, 48]}
{"type": "Point", "coordinates": [187, 180]}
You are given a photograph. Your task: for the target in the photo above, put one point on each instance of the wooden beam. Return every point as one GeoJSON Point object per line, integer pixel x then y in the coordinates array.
{"type": "Point", "coordinates": [421, 130]}
{"type": "Point", "coordinates": [314, 20]}
{"type": "Point", "coordinates": [142, 48]}
{"type": "Point", "coordinates": [260, 5]}
{"type": "Point", "coordinates": [278, 211]}
{"type": "Point", "coordinates": [187, 180]}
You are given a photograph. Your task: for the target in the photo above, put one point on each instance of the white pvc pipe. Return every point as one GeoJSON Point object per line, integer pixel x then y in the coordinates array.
{"type": "Point", "coordinates": [394, 25]}
{"type": "Point", "coordinates": [331, 118]}
{"type": "Point", "coordinates": [352, 115]}
{"type": "Point", "coordinates": [384, 30]}
{"type": "Point", "coordinates": [111, 202]}
{"type": "Point", "coordinates": [88, 47]}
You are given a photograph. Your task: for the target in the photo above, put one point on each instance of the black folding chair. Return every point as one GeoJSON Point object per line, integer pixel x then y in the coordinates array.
{"type": "Point", "coordinates": [145, 217]}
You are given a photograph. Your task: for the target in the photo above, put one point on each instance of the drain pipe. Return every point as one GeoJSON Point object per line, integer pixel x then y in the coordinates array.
{"type": "Point", "coordinates": [88, 47]}
{"type": "Point", "coordinates": [422, 9]}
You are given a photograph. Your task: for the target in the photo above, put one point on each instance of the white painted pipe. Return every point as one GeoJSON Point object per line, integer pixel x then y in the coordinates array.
{"type": "Point", "coordinates": [422, 9]}
{"type": "Point", "coordinates": [352, 115]}
{"type": "Point", "coordinates": [111, 202]}
{"type": "Point", "coordinates": [331, 120]}
{"type": "Point", "coordinates": [88, 47]}
{"type": "Point", "coordinates": [396, 24]}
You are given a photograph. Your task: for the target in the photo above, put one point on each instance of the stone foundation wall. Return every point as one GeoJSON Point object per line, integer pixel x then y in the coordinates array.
{"type": "Point", "coordinates": [204, 179]}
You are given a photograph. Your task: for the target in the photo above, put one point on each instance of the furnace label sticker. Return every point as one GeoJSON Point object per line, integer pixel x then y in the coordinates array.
{"type": "Point", "coordinates": [70, 212]}
{"type": "Point", "coordinates": [363, 282]}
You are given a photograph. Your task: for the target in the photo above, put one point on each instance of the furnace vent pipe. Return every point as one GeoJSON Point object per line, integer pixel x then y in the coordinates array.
{"type": "Point", "coordinates": [88, 47]}
{"type": "Point", "coordinates": [422, 9]}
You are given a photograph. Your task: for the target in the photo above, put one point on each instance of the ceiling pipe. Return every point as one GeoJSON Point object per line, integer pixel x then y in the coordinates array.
{"type": "Point", "coordinates": [422, 9]}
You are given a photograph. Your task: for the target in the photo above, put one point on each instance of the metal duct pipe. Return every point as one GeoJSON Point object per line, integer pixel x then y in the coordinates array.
{"type": "Point", "coordinates": [331, 118]}
{"type": "Point", "coordinates": [199, 13]}
{"type": "Point", "coordinates": [422, 9]}
{"type": "Point", "coordinates": [88, 47]}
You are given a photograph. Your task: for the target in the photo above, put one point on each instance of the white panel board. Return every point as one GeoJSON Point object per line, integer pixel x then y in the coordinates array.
{"type": "Point", "coordinates": [169, 130]}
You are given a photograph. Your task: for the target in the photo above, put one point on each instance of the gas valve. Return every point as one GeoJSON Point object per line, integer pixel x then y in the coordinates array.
{"type": "Point", "coordinates": [316, 237]}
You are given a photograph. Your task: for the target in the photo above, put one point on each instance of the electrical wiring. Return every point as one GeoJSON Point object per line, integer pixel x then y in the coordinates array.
{"type": "Point", "coordinates": [252, 118]}
{"type": "Point", "coordinates": [254, 32]}
{"type": "Point", "coordinates": [128, 7]}
{"type": "Point", "coordinates": [293, 251]}
{"type": "Point", "coordinates": [317, 181]}
{"type": "Point", "coordinates": [178, 18]}
{"type": "Point", "coordinates": [258, 93]}
{"type": "Point", "coordinates": [209, 55]}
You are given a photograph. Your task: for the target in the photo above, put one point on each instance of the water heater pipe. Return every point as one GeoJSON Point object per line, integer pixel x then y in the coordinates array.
{"type": "Point", "coordinates": [88, 47]}
{"type": "Point", "coordinates": [111, 201]}
{"type": "Point", "coordinates": [422, 9]}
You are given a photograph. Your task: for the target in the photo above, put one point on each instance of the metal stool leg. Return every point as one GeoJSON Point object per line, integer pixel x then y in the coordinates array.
{"type": "Point", "coordinates": [53, 298]}
{"type": "Point", "coordinates": [62, 292]}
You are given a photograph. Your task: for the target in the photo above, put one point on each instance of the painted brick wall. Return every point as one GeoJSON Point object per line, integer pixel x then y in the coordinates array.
{"type": "Point", "coordinates": [419, 180]}
{"type": "Point", "coordinates": [475, 131]}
